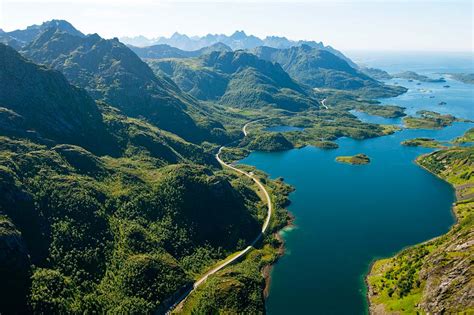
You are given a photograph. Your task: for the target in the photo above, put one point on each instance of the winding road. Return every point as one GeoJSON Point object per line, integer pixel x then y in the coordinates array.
{"type": "Point", "coordinates": [234, 257]}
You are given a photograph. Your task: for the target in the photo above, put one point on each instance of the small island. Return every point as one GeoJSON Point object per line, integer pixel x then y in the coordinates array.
{"type": "Point", "coordinates": [423, 142]}
{"type": "Point", "coordinates": [411, 75]}
{"type": "Point", "coordinates": [358, 159]}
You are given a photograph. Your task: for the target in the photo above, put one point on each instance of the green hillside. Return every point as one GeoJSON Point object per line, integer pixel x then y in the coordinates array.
{"type": "Point", "coordinates": [319, 68]}
{"type": "Point", "coordinates": [237, 79]}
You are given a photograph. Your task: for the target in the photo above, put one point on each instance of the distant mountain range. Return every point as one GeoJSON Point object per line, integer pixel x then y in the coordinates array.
{"type": "Point", "coordinates": [238, 40]}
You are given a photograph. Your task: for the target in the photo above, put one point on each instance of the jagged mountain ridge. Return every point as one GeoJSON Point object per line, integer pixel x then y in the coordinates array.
{"type": "Point", "coordinates": [238, 40]}
{"type": "Point", "coordinates": [111, 72]}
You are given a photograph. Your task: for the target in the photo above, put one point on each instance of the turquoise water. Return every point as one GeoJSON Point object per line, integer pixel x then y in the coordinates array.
{"type": "Point", "coordinates": [283, 129]}
{"type": "Point", "coordinates": [346, 216]}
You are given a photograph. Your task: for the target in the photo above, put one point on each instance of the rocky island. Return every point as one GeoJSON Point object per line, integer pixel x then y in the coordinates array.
{"type": "Point", "coordinates": [358, 159]}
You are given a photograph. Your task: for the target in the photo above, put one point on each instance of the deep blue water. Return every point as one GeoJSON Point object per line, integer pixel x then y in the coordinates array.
{"type": "Point", "coordinates": [347, 215]}
{"type": "Point", "coordinates": [283, 129]}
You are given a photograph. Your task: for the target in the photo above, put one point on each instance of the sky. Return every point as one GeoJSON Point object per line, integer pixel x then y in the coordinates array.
{"type": "Point", "coordinates": [377, 25]}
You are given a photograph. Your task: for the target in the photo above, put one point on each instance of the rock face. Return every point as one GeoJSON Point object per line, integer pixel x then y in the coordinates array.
{"type": "Point", "coordinates": [448, 287]}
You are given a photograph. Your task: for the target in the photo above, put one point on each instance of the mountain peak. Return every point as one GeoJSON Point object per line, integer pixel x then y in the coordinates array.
{"type": "Point", "coordinates": [238, 35]}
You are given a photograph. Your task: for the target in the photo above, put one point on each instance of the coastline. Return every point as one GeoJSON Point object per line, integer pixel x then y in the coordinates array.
{"type": "Point", "coordinates": [380, 308]}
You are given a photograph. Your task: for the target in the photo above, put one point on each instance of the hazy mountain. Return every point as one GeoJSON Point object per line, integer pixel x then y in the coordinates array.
{"type": "Point", "coordinates": [161, 51]}
{"type": "Point", "coordinates": [238, 79]}
{"type": "Point", "coordinates": [321, 69]}
{"type": "Point", "coordinates": [23, 37]}
{"type": "Point", "coordinates": [238, 40]}
{"type": "Point", "coordinates": [111, 72]}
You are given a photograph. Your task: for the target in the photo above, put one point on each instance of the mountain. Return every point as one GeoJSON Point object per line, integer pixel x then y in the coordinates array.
{"type": "Point", "coordinates": [162, 51]}
{"type": "Point", "coordinates": [237, 79]}
{"type": "Point", "coordinates": [112, 73]}
{"type": "Point", "coordinates": [238, 40]}
{"type": "Point", "coordinates": [321, 69]}
{"type": "Point", "coordinates": [23, 37]}
{"type": "Point", "coordinates": [41, 103]}
{"type": "Point", "coordinates": [101, 212]}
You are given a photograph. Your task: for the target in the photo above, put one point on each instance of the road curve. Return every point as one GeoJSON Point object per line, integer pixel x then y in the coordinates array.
{"type": "Point", "coordinates": [249, 247]}
{"type": "Point", "coordinates": [323, 102]}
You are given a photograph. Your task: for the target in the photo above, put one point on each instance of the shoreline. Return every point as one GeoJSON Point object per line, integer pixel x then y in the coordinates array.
{"type": "Point", "coordinates": [373, 307]}
{"type": "Point", "coordinates": [266, 270]}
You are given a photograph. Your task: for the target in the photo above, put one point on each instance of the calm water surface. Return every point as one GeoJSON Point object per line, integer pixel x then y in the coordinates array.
{"type": "Point", "coordinates": [347, 215]}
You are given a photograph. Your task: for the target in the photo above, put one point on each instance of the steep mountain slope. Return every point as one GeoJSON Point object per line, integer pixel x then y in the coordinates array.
{"type": "Point", "coordinates": [237, 79]}
{"type": "Point", "coordinates": [39, 102]}
{"type": "Point", "coordinates": [161, 51]}
{"type": "Point", "coordinates": [238, 40]}
{"type": "Point", "coordinates": [320, 68]}
{"type": "Point", "coordinates": [111, 72]}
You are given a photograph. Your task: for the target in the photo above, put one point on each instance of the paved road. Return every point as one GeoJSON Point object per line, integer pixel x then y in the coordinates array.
{"type": "Point", "coordinates": [249, 247]}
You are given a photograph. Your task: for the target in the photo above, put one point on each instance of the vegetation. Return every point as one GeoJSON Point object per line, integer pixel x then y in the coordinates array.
{"type": "Point", "coordinates": [423, 142]}
{"type": "Point", "coordinates": [435, 276]}
{"type": "Point", "coordinates": [386, 111]}
{"type": "Point", "coordinates": [358, 159]}
{"type": "Point", "coordinates": [270, 142]}
{"type": "Point", "coordinates": [430, 120]}
{"type": "Point", "coordinates": [240, 288]}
